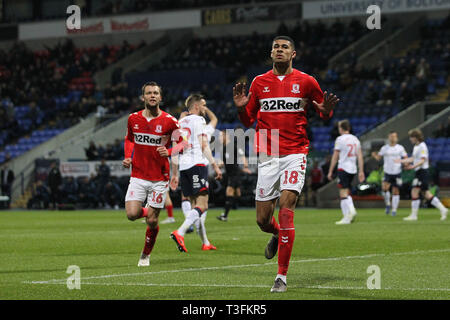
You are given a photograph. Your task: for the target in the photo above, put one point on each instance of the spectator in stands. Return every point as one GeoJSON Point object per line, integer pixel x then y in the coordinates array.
{"type": "Point", "coordinates": [316, 180]}
{"type": "Point", "coordinates": [40, 198]}
{"type": "Point", "coordinates": [103, 176]}
{"type": "Point", "coordinates": [371, 94]}
{"type": "Point", "coordinates": [87, 193]}
{"type": "Point", "coordinates": [54, 181]}
{"type": "Point", "coordinates": [7, 180]}
{"type": "Point", "coordinates": [326, 165]}
{"type": "Point", "coordinates": [423, 69]}
{"type": "Point", "coordinates": [420, 87]}
{"type": "Point", "coordinates": [70, 191]}
{"type": "Point", "coordinates": [112, 195]}
{"type": "Point", "coordinates": [443, 130]}
{"type": "Point", "coordinates": [387, 95]}
{"type": "Point", "coordinates": [405, 95]}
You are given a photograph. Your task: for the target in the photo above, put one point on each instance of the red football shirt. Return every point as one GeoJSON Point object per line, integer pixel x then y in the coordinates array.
{"type": "Point", "coordinates": [281, 102]}
{"type": "Point", "coordinates": [147, 136]}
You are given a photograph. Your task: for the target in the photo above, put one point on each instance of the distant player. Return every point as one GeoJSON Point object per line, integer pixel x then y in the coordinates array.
{"type": "Point", "coordinates": [392, 171]}
{"type": "Point", "coordinates": [420, 163]}
{"type": "Point", "coordinates": [347, 152]}
{"type": "Point", "coordinates": [209, 130]}
{"type": "Point", "coordinates": [149, 131]}
{"type": "Point", "coordinates": [278, 101]}
{"type": "Point", "coordinates": [194, 171]}
{"type": "Point", "coordinates": [232, 155]}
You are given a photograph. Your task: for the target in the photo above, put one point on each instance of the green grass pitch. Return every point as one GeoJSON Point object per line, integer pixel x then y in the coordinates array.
{"type": "Point", "coordinates": [328, 261]}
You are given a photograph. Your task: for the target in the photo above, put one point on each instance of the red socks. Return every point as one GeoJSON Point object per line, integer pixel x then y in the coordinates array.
{"type": "Point", "coordinates": [276, 227]}
{"type": "Point", "coordinates": [285, 239]}
{"type": "Point", "coordinates": [144, 212]}
{"type": "Point", "coordinates": [150, 238]}
{"type": "Point", "coordinates": [169, 211]}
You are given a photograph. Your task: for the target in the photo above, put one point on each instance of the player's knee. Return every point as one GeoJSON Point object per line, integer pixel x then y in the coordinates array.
{"type": "Point", "coordinates": [132, 214]}
{"type": "Point", "coordinates": [263, 223]}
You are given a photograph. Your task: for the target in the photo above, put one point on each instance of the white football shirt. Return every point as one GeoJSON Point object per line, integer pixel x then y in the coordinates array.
{"type": "Point", "coordinates": [390, 154]}
{"type": "Point", "coordinates": [420, 151]}
{"type": "Point", "coordinates": [192, 126]}
{"type": "Point", "coordinates": [348, 146]}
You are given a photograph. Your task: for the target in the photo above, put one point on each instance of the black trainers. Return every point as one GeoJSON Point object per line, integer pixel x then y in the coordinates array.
{"type": "Point", "coordinates": [279, 286]}
{"type": "Point", "coordinates": [222, 217]}
{"type": "Point", "coordinates": [272, 247]}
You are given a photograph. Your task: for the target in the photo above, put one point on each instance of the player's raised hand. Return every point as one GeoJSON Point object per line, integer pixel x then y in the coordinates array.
{"type": "Point", "coordinates": [163, 152]}
{"type": "Point", "coordinates": [240, 98]}
{"type": "Point", "coordinates": [329, 102]}
{"type": "Point", "coordinates": [126, 163]}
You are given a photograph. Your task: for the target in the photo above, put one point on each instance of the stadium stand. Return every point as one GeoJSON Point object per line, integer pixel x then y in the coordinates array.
{"type": "Point", "coordinates": [55, 84]}
{"type": "Point", "coordinates": [370, 94]}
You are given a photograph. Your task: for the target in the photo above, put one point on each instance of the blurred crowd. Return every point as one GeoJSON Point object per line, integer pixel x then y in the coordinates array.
{"type": "Point", "coordinates": [443, 130]}
{"type": "Point", "coordinates": [111, 151]}
{"type": "Point", "coordinates": [98, 191]}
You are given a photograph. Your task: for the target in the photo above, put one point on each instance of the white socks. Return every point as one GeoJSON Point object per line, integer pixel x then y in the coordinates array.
{"type": "Point", "coordinates": [344, 207]}
{"type": "Point", "coordinates": [201, 230]}
{"type": "Point", "coordinates": [191, 217]}
{"type": "Point", "coordinates": [395, 202]}
{"type": "Point", "coordinates": [415, 204]}
{"type": "Point", "coordinates": [186, 207]}
{"type": "Point", "coordinates": [437, 204]}
{"type": "Point", "coordinates": [387, 197]}
{"type": "Point", "coordinates": [350, 205]}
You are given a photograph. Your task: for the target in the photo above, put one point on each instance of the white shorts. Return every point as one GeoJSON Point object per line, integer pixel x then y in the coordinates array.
{"type": "Point", "coordinates": [154, 191]}
{"type": "Point", "coordinates": [278, 174]}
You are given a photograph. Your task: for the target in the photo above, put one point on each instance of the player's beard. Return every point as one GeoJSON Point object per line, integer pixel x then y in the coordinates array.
{"type": "Point", "coordinates": [282, 66]}
{"type": "Point", "coordinates": [151, 107]}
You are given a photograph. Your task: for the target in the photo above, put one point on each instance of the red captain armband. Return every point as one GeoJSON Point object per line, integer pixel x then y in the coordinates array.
{"type": "Point", "coordinates": [128, 148]}
{"type": "Point", "coordinates": [178, 148]}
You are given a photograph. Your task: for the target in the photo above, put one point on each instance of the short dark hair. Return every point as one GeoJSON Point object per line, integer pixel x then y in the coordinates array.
{"type": "Point", "coordinates": [193, 98]}
{"type": "Point", "coordinates": [287, 38]}
{"type": "Point", "coordinates": [344, 125]}
{"type": "Point", "coordinates": [392, 131]}
{"type": "Point", "coordinates": [152, 84]}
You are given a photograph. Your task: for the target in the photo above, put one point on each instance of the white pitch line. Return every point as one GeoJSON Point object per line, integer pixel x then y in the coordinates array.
{"type": "Point", "coordinates": [244, 286]}
{"type": "Point", "coordinates": [244, 265]}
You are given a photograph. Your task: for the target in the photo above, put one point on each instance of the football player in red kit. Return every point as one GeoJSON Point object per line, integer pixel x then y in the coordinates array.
{"type": "Point", "coordinates": [150, 131]}
{"type": "Point", "coordinates": [278, 102]}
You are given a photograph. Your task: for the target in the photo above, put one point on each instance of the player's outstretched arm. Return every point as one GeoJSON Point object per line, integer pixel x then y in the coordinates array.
{"type": "Point", "coordinates": [376, 156]}
{"type": "Point", "coordinates": [404, 160]}
{"type": "Point", "coordinates": [329, 102]}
